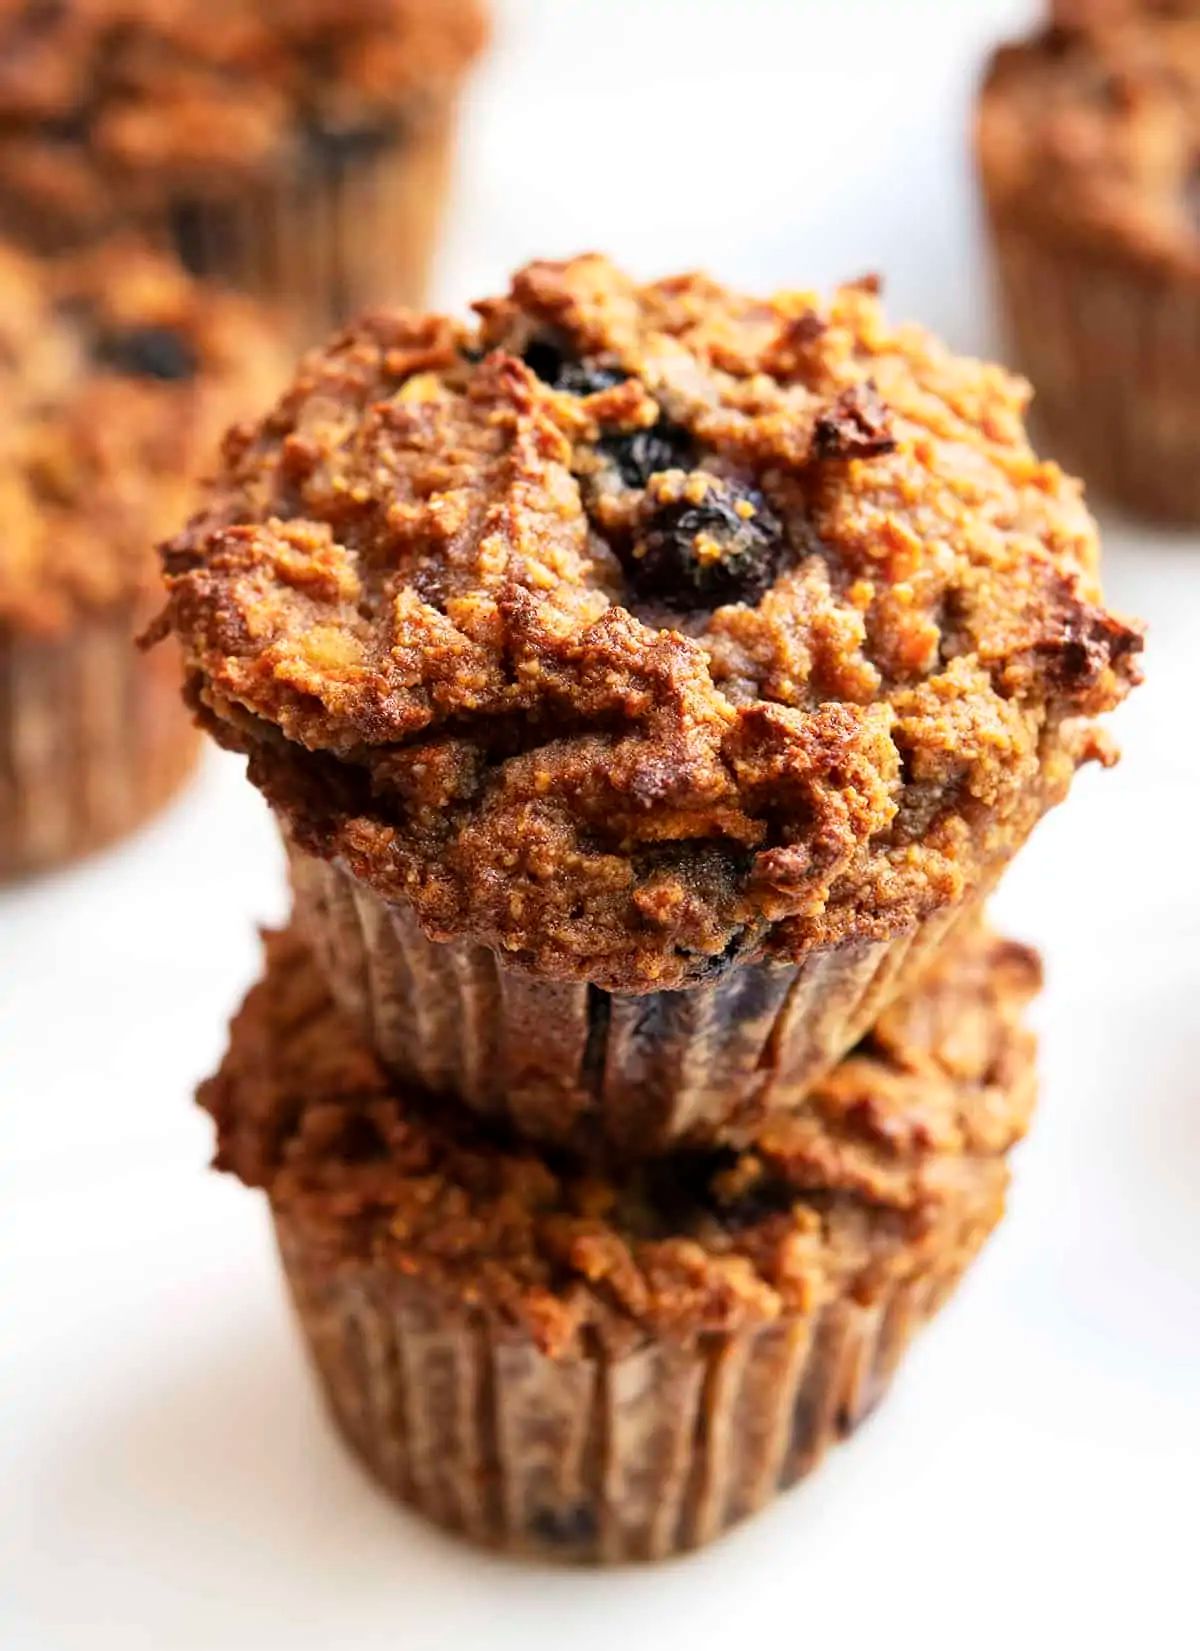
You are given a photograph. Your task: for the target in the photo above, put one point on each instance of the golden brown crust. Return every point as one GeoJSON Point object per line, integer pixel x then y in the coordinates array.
{"type": "Point", "coordinates": [100, 98]}
{"type": "Point", "coordinates": [867, 1182]}
{"type": "Point", "coordinates": [478, 625]}
{"type": "Point", "coordinates": [119, 376]}
{"type": "Point", "coordinates": [1091, 135]}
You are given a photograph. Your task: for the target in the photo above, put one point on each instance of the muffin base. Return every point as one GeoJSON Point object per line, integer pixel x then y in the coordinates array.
{"type": "Point", "coordinates": [601, 1073]}
{"type": "Point", "coordinates": [622, 1452]}
{"type": "Point", "coordinates": [327, 239]}
{"type": "Point", "coordinates": [93, 739]}
{"type": "Point", "coordinates": [1113, 352]}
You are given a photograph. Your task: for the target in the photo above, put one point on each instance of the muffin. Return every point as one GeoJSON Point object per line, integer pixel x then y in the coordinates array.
{"type": "Point", "coordinates": [1095, 13]}
{"type": "Point", "coordinates": [1088, 144]}
{"type": "Point", "coordinates": [551, 1362]}
{"type": "Point", "coordinates": [118, 374]}
{"type": "Point", "coordinates": [299, 150]}
{"type": "Point", "coordinates": [647, 681]}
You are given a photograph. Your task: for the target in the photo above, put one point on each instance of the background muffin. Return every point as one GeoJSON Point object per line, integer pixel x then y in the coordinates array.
{"type": "Point", "coordinates": [607, 1371]}
{"type": "Point", "coordinates": [646, 681]}
{"type": "Point", "coordinates": [119, 374]}
{"type": "Point", "coordinates": [299, 150]}
{"type": "Point", "coordinates": [1093, 13]}
{"type": "Point", "coordinates": [1088, 144]}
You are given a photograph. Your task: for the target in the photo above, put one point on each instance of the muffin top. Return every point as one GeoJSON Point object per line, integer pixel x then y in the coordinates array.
{"type": "Point", "coordinates": [1094, 135]}
{"type": "Point", "coordinates": [643, 627]}
{"type": "Point", "coordinates": [895, 1159]}
{"type": "Point", "coordinates": [119, 375]}
{"type": "Point", "coordinates": [134, 89]}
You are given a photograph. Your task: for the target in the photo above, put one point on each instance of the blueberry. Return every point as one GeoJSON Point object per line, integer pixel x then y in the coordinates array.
{"type": "Point", "coordinates": [562, 372]}
{"type": "Point", "coordinates": [337, 143]}
{"type": "Point", "coordinates": [726, 548]}
{"type": "Point", "coordinates": [544, 359]}
{"type": "Point", "coordinates": [148, 352]}
{"type": "Point", "coordinates": [582, 379]}
{"type": "Point", "coordinates": [755, 1204]}
{"type": "Point", "coordinates": [640, 454]}
{"type": "Point", "coordinates": [570, 1527]}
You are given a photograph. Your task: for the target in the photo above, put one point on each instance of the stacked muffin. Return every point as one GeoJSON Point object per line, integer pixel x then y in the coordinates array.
{"type": "Point", "coordinates": [650, 683]}
{"type": "Point", "coordinates": [298, 150]}
{"type": "Point", "coordinates": [1088, 138]}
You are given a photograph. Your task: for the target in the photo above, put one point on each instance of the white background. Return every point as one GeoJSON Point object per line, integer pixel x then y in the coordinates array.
{"type": "Point", "coordinates": [166, 1478]}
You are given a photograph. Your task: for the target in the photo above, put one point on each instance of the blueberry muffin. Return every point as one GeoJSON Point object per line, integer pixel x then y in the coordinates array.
{"type": "Point", "coordinates": [646, 679]}
{"type": "Point", "coordinates": [119, 374]}
{"type": "Point", "coordinates": [1088, 142]}
{"type": "Point", "coordinates": [299, 150]}
{"type": "Point", "coordinates": [550, 1362]}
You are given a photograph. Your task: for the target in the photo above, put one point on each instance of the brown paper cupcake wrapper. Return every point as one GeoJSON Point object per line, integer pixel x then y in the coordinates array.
{"type": "Point", "coordinates": [337, 235]}
{"type": "Point", "coordinates": [1113, 353]}
{"type": "Point", "coordinates": [571, 1065]}
{"type": "Point", "coordinates": [618, 1453]}
{"type": "Point", "coordinates": [93, 739]}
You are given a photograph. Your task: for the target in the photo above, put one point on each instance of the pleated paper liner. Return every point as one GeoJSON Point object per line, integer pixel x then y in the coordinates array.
{"type": "Point", "coordinates": [93, 739]}
{"type": "Point", "coordinates": [344, 230]}
{"type": "Point", "coordinates": [1113, 353]}
{"type": "Point", "coordinates": [619, 1452]}
{"type": "Point", "coordinates": [574, 1066]}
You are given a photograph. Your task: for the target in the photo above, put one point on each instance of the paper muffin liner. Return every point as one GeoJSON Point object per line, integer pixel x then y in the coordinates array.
{"type": "Point", "coordinates": [1113, 353]}
{"type": "Point", "coordinates": [336, 234]}
{"type": "Point", "coordinates": [623, 1451]}
{"type": "Point", "coordinates": [571, 1065]}
{"type": "Point", "coordinates": [93, 738]}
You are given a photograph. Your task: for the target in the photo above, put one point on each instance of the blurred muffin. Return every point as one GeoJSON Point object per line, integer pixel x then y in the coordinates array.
{"type": "Point", "coordinates": [1096, 13]}
{"type": "Point", "coordinates": [646, 680]}
{"type": "Point", "coordinates": [118, 374]}
{"type": "Point", "coordinates": [1088, 144]}
{"type": "Point", "coordinates": [299, 150]}
{"type": "Point", "coordinates": [588, 1370]}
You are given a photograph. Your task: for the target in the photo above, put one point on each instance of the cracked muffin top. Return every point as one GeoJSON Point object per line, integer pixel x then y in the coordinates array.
{"type": "Point", "coordinates": [896, 1159]}
{"type": "Point", "coordinates": [1094, 134]}
{"type": "Point", "coordinates": [119, 376]}
{"type": "Point", "coordinates": [639, 628]}
{"type": "Point", "coordinates": [126, 90]}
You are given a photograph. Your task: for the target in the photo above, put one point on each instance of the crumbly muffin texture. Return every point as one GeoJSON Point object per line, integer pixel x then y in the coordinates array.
{"type": "Point", "coordinates": [119, 376]}
{"type": "Point", "coordinates": [94, 92]}
{"type": "Point", "coordinates": [642, 628]}
{"type": "Point", "coordinates": [871, 1175]}
{"type": "Point", "coordinates": [1093, 135]}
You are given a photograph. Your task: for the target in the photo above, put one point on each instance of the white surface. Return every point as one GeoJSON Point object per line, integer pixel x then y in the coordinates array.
{"type": "Point", "coordinates": [166, 1478]}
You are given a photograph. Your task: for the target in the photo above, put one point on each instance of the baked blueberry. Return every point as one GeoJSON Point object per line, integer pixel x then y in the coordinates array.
{"type": "Point", "coordinates": [724, 547]}
{"type": "Point", "coordinates": [640, 454]}
{"type": "Point", "coordinates": [148, 352]}
{"type": "Point", "coordinates": [562, 371]}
